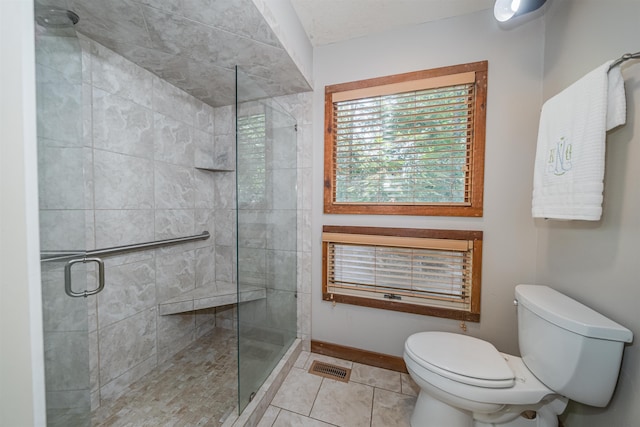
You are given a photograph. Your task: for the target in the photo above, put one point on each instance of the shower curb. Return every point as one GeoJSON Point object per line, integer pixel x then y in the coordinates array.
{"type": "Point", "coordinates": [252, 414]}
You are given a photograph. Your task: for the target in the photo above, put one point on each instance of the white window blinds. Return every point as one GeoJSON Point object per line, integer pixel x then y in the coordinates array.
{"type": "Point", "coordinates": [251, 146]}
{"type": "Point", "coordinates": [407, 144]}
{"type": "Point", "coordinates": [432, 272]}
{"type": "Point", "coordinates": [409, 148]}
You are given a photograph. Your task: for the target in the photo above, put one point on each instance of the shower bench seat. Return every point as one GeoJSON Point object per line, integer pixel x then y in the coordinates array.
{"type": "Point", "coordinates": [213, 295]}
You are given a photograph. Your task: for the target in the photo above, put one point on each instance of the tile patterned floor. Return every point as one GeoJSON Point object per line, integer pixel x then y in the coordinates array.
{"type": "Point", "coordinates": [373, 397]}
{"type": "Point", "coordinates": [180, 393]}
{"type": "Point", "coordinates": [197, 387]}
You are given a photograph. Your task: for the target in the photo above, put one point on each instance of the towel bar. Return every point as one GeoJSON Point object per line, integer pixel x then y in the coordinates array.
{"type": "Point", "coordinates": [117, 250]}
{"type": "Point", "coordinates": [623, 58]}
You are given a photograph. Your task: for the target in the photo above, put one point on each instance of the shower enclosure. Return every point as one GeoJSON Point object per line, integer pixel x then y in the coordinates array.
{"type": "Point", "coordinates": [79, 155]}
{"type": "Point", "coordinates": [62, 216]}
{"type": "Point", "coordinates": [266, 174]}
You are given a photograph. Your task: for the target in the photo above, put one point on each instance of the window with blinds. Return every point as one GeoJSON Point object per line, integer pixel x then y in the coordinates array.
{"type": "Point", "coordinates": [433, 272]}
{"type": "Point", "coordinates": [407, 144]}
{"type": "Point", "coordinates": [251, 146]}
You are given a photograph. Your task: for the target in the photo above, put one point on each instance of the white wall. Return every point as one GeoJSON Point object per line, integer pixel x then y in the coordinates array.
{"type": "Point", "coordinates": [21, 357]}
{"type": "Point", "coordinates": [598, 262]}
{"type": "Point", "coordinates": [514, 96]}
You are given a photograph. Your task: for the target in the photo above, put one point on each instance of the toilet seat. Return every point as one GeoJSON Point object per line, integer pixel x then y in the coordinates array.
{"type": "Point", "coordinates": [461, 358]}
{"type": "Point", "coordinates": [526, 388]}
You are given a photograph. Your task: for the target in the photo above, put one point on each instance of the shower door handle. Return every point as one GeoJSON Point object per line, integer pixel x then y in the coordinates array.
{"type": "Point", "coordinates": [85, 293]}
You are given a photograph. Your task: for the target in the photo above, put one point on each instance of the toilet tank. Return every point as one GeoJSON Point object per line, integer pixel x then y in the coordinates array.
{"type": "Point", "coordinates": [572, 349]}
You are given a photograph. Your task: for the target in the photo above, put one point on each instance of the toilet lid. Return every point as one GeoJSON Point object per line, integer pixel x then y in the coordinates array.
{"type": "Point", "coordinates": [461, 358]}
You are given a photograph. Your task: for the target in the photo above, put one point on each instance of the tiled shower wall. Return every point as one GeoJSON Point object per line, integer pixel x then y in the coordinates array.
{"type": "Point", "coordinates": [61, 211]}
{"type": "Point", "coordinates": [299, 106]}
{"type": "Point", "coordinates": [144, 139]}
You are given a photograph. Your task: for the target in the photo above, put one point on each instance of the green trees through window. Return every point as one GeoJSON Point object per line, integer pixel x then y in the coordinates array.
{"type": "Point", "coordinates": [409, 148]}
{"type": "Point", "coordinates": [407, 144]}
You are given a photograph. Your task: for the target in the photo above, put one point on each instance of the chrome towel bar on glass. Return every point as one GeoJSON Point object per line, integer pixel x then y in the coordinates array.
{"type": "Point", "coordinates": [74, 257]}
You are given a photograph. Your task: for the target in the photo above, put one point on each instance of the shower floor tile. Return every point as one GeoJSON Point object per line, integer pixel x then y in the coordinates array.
{"type": "Point", "coordinates": [197, 387]}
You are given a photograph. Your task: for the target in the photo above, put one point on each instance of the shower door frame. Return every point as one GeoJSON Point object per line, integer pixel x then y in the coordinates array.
{"type": "Point", "coordinates": [267, 237]}
{"type": "Point", "coordinates": [59, 112]}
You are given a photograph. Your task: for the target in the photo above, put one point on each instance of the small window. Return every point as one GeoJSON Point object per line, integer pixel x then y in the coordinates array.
{"type": "Point", "coordinates": [408, 144]}
{"type": "Point", "coordinates": [252, 156]}
{"type": "Point", "coordinates": [432, 272]}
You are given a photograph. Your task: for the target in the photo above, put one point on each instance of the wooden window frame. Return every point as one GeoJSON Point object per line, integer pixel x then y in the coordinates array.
{"type": "Point", "coordinates": [400, 83]}
{"type": "Point", "coordinates": [472, 315]}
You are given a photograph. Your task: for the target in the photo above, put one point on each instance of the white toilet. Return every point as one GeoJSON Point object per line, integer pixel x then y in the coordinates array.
{"type": "Point", "coordinates": [568, 352]}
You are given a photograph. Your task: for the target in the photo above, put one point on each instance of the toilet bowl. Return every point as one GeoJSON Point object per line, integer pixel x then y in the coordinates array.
{"type": "Point", "coordinates": [568, 351]}
{"type": "Point", "coordinates": [467, 382]}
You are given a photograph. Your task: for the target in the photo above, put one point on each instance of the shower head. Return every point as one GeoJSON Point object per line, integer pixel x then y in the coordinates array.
{"type": "Point", "coordinates": [54, 17]}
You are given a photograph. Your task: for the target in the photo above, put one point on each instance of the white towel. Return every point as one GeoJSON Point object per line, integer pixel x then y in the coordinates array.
{"type": "Point", "coordinates": [569, 168]}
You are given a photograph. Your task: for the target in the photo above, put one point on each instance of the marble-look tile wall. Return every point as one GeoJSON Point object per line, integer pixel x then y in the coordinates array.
{"type": "Point", "coordinates": [267, 220]}
{"type": "Point", "coordinates": [300, 107]}
{"type": "Point", "coordinates": [143, 140]}
{"type": "Point", "coordinates": [194, 45]}
{"type": "Point", "coordinates": [62, 222]}
{"type": "Point", "coordinates": [274, 231]}
{"type": "Point", "coordinates": [147, 150]}
{"type": "Point", "coordinates": [146, 139]}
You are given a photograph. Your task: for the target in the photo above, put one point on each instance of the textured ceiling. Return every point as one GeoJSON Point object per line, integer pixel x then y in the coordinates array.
{"type": "Point", "coordinates": [193, 44]}
{"type": "Point", "coordinates": [331, 21]}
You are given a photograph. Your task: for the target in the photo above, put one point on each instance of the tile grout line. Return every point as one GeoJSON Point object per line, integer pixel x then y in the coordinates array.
{"type": "Point", "coordinates": [317, 392]}
{"type": "Point", "coordinates": [277, 415]}
{"type": "Point", "coordinates": [373, 399]}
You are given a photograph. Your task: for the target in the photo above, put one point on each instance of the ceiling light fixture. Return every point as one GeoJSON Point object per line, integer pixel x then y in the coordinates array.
{"type": "Point", "coordinates": [504, 10]}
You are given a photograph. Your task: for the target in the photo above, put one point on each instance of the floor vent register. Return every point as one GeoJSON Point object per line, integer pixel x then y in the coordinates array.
{"type": "Point", "coordinates": [328, 370]}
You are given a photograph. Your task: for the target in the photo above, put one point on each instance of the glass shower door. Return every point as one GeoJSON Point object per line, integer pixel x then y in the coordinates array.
{"type": "Point", "coordinates": [62, 216]}
{"type": "Point", "coordinates": [266, 175]}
